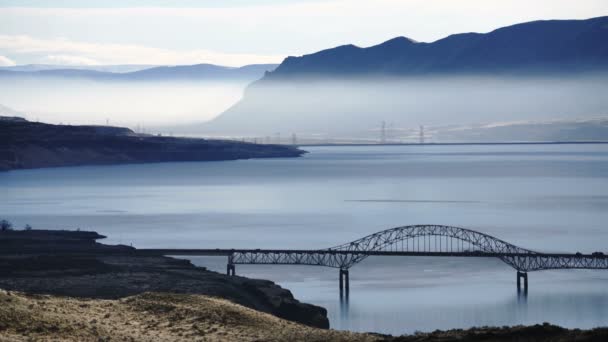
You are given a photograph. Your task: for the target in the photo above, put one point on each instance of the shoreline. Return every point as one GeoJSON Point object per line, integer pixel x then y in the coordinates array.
{"type": "Point", "coordinates": [74, 264]}
{"type": "Point", "coordinates": [33, 145]}
{"type": "Point", "coordinates": [460, 143]}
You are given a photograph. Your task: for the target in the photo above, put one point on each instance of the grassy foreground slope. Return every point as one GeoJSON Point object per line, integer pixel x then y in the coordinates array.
{"type": "Point", "coordinates": [184, 317]}
{"type": "Point", "coordinates": [148, 317]}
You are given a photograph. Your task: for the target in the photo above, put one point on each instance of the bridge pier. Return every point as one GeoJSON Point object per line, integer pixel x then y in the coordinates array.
{"type": "Point", "coordinates": [523, 275]}
{"type": "Point", "coordinates": [344, 281]}
{"type": "Point", "coordinates": [230, 269]}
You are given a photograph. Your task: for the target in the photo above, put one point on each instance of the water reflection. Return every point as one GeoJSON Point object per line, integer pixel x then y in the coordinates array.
{"type": "Point", "coordinates": [344, 305]}
{"type": "Point", "coordinates": [522, 296]}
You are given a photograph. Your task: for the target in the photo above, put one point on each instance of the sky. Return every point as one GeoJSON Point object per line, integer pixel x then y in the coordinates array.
{"type": "Point", "coordinates": [240, 32]}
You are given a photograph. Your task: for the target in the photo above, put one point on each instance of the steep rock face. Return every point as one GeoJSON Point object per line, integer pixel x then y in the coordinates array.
{"type": "Point", "coordinates": [26, 144]}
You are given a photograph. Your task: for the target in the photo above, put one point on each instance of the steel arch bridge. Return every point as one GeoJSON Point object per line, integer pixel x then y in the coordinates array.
{"type": "Point", "coordinates": [416, 240]}
{"type": "Point", "coordinates": [429, 240]}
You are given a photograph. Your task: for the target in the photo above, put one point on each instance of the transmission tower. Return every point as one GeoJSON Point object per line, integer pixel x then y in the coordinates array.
{"type": "Point", "coordinates": [422, 134]}
{"type": "Point", "coordinates": [383, 133]}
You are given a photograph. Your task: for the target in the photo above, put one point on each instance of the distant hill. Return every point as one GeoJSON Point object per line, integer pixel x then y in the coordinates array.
{"type": "Point", "coordinates": [574, 130]}
{"type": "Point", "coordinates": [538, 46]}
{"type": "Point", "coordinates": [539, 70]}
{"type": "Point", "coordinates": [26, 145]}
{"type": "Point", "coordinates": [104, 68]}
{"type": "Point", "coordinates": [201, 71]}
{"type": "Point", "coordinates": [198, 72]}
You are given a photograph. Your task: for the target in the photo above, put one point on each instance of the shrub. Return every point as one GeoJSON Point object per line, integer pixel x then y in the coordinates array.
{"type": "Point", "coordinates": [5, 225]}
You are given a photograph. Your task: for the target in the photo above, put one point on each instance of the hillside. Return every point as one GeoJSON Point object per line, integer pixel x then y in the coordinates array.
{"type": "Point", "coordinates": [149, 317]}
{"type": "Point", "coordinates": [536, 71]}
{"type": "Point", "coordinates": [175, 317]}
{"type": "Point", "coordinates": [197, 72]}
{"type": "Point", "coordinates": [27, 144]}
{"type": "Point", "coordinates": [540, 46]}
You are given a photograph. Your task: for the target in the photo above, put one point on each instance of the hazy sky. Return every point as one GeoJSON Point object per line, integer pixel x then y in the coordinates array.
{"type": "Point", "coordinates": [238, 32]}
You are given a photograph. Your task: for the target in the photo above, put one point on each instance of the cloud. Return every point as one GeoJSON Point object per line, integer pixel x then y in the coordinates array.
{"type": "Point", "coordinates": [5, 61]}
{"type": "Point", "coordinates": [70, 60]}
{"type": "Point", "coordinates": [261, 31]}
{"type": "Point", "coordinates": [78, 52]}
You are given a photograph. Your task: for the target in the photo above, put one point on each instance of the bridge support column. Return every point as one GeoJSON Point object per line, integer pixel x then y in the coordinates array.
{"type": "Point", "coordinates": [344, 281]}
{"type": "Point", "coordinates": [230, 269]}
{"type": "Point", "coordinates": [521, 275]}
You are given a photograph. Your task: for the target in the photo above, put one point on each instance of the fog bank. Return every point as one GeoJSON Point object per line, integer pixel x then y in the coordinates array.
{"type": "Point", "coordinates": [357, 107]}
{"type": "Point", "coordinates": [80, 101]}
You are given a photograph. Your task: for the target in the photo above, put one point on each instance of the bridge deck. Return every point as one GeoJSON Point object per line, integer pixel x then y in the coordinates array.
{"type": "Point", "coordinates": [228, 252]}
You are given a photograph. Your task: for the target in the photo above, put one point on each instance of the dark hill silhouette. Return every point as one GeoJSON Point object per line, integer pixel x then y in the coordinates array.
{"type": "Point", "coordinates": [539, 70]}
{"type": "Point", "coordinates": [538, 46]}
{"type": "Point", "coordinates": [26, 145]}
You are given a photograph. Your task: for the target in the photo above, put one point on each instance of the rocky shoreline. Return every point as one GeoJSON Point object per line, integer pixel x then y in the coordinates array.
{"type": "Point", "coordinates": [27, 145]}
{"type": "Point", "coordinates": [73, 264]}
{"type": "Point", "coordinates": [114, 277]}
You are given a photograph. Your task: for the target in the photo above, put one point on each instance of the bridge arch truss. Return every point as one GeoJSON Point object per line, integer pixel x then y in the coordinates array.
{"type": "Point", "coordinates": [431, 240]}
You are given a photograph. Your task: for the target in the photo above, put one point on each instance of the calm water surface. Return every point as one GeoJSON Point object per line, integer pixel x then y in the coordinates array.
{"type": "Point", "coordinates": [545, 197]}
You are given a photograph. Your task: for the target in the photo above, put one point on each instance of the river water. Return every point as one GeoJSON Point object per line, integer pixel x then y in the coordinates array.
{"type": "Point", "coordinates": [543, 197]}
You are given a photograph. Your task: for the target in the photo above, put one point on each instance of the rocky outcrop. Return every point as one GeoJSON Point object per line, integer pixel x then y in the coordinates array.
{"type": "Point", "coordinates": [114, 277]}
{"type": "Point", "coordinates": [73, 264]}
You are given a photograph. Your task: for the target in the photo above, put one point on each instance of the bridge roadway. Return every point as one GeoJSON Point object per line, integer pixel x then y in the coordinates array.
{"type": "Point", "coordinates": [228, 252]}
{"type": "Point", "coordinates": [418, 240]}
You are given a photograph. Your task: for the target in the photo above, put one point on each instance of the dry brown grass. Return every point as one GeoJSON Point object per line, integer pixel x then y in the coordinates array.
{"type": "Point", "coordinates": [148, 317]}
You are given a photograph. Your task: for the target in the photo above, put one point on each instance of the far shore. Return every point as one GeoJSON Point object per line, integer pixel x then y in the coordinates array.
{"type": "Point", "coordinates": [460, 143]}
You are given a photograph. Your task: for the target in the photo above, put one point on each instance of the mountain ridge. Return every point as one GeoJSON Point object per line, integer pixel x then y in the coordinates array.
{"type": "Point", "coordinates": [178, 72]}
{"type": "Point", "coordinates": [542, 45]}
{"type": "Point", "coordinates": [548, 69]}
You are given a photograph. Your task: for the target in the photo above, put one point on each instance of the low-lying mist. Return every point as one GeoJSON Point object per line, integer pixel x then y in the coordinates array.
{"type": "Point", "coordinates": [357, 107]}
{"type": "Point", "coordinates": [80, 101]}
{"type": "Point", "coordinates": [322, 108]}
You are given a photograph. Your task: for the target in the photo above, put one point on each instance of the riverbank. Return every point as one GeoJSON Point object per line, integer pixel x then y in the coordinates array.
{"type": "Point", "coordinates": [114, 277]}
{"type": "Point", "coordinates": [73, 264]}
{"type": "Point", "coordinates": [27, 145]}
